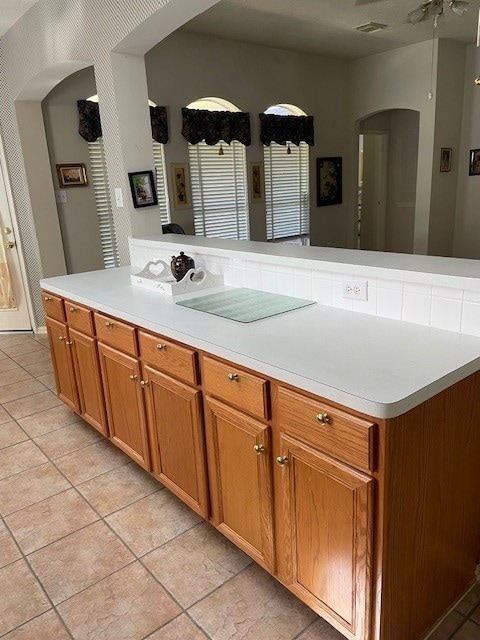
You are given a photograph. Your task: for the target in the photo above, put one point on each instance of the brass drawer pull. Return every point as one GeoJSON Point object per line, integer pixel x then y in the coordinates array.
{"type": "Point", "coordinates": [258, 448]}
{"type": "Point", "coordinates": [108, 324]}
{"type": "Point", "coordinates": [143, 383]}
{"type": "Point", "coordinates": [161, 347]}
{"type": "Point", "coordinates": [322, 418]}
{"type": "Point", "coordinates": [281, 461]}
{"type": "Point", "coordinates": [48, 299]}
{"type": "Point", "coordinates": [233, 377]}
{"type": "Point", "coordinates": [133, 377]}
{"type": "Point", "coordinates": [73, 309]}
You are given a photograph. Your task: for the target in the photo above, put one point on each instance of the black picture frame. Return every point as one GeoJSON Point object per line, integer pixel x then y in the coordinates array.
{"type": "Point", "coordinates": [474, 164]}
{"type": "Point", "coordinates": [143, 189]}
{"type": "Point", "coordinates": [329, 181]}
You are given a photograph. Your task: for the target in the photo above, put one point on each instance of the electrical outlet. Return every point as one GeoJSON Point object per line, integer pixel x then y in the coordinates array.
{"type": "Point", "coordinates": [119, 198]}
{"type": "Point", "coordinates": [355, 289]}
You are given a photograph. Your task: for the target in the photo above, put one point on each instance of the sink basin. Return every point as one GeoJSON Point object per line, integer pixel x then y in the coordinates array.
{"type": "Point", "coordinates": [245, 305]}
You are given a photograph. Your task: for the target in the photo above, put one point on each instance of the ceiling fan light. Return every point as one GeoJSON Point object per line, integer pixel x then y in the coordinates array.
{"type": "Point", "coordinates": [417, 14]}
{"type": "Point", "coordinates": [458, 6]}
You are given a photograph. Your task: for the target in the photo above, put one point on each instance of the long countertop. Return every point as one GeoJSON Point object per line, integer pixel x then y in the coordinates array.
{"type": "Point", "coordinates": [374, 365]}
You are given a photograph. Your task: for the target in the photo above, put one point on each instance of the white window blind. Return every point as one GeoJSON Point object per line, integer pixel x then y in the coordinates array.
{"type": "Point", "coordinates": [287, 190]}
{"type": "Point", "coordinates": [219, 190]}
{"type": "Point", "coordinates": [102, 197]}
{"type": "Point", "coordinates": [161, 181]}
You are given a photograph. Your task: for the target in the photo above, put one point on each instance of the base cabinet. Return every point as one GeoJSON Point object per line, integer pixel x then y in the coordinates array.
{"type": "Point", "coordinates": [326, 531]}
{"type": "Point", "coordinates": [124, 403]}
{"type": "Point", "coordinates": [175, 424]}
{"type": "Point", "coordinates": [239, 456]}
{"type": "Point", "coordinates": [61, 350]}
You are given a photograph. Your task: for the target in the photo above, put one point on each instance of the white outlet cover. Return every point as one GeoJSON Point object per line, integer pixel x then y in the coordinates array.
{"type": "Point", "coordinates": [60, 196]}
{"type": "Point", "coordinates": [355, 289]}
{"type": "Point", "coordinates": [119, 198]}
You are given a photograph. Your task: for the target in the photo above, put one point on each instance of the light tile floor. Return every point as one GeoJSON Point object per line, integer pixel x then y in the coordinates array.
{"type": "Point", "coordinates": [91, 546]}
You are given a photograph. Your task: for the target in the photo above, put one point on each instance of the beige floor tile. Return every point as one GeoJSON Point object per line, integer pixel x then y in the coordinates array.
{"type": "Point", "coordinates": [48, 379]}
{"type": "Point", "coordinates": [20, 457]}
{"type": "Point", "coordinates": [48, 626]}
{"type": "Point", "coordinates": [16, 374]}
{"type": "Point", "coordinates": [252, 605]}
{"type": "Point", "coordinates": [4, 416]}
{"type": "Point", "coordinates": [49, 420]}
{"type": "Point", "coordinates": [79, 560]}
{"type": "Point", "coordinates": [18, 338]}
{"type": "Point", "coordinates": [32, 404]}
{"type": "Point", "coordinates": [49, 520]}
{"type": "Point", "coordinates": [448, 627]}
{"type": "Point", "coordinates": [26, 488]}
{"type": "Point", "coordinates": [33, 358]}
{"type": "Point", "coordinates": [127, 605]}
{"type": "Point", "coordinates": [207, 560]}
{"type": "Point", "coordinates": [470, 601]}
{"type": "Point", "coordinates": [20, 390]}
{"type": "Point", "coordinates": [182, 628]}
{"type": "Point", "coordinates": [11, 433]}
{"type": "Point", "coordinates": [118, 488]}
{"type": "Point", "coordinates": [67, 439]}
{"type": "Point", "coordinates": [469, 631]}
{"type": "Point", "coordinates": [9, 551]}
{"type": "Point", "coordinates": [152, 521]}
{"type": "Point", "coordinates": [20, 348]}
{"type": "Point", "coordinates": [9, 365]}
{"type": "Point", "coordinates": [39, 368]}
{"type": "Point", "coordinates": [321, 630]}
{"type": "Point", "coordinates": [91, 461]}
{"type": "Point", "coordinates": [22, 598]}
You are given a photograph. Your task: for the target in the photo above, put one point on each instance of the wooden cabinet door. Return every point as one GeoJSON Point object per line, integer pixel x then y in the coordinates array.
{"type": "Point", "coordinates": [240, 472]}
{"type": "Point", "coordinates": [326, 536]}
{"type": "Point", "coordinates": [60, 349]}
{"type": "Point", "coordinates": [89, 382]}
{"type": "Point", "coordinates": [176, 433]}
{"type": "Point", "coordinates": [124, 403]}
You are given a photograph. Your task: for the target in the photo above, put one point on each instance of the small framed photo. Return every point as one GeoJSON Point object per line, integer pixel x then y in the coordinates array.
{"type": "Point", "coordinates": [143, 189]}
{"type": "Point", "coordinates": [329, 181]}
{"type": "Point", "coordinates": [72, 175]}
{"type": "Point", "coordinates": [474, 167]}
{"type": "Point", "coordinates": [256, 182]}
{"type": "Point", "coordinates": [445, 159]}
{"type": "Point", "coordinates": [182, 198]}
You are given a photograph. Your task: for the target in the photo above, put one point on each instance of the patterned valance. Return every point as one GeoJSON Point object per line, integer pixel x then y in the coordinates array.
{"type": "Point", "coordinates": [216, 126]}
{"type": "Point", "coordinates": [90, 127]}
{"type": "Point", "coordinates": [283, 129]}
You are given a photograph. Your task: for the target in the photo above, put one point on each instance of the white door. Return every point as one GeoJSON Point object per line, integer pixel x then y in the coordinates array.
{"type": "Point", "coordinates": [14, 314]}
{"type": "Point", "coordinates": [373, 208]}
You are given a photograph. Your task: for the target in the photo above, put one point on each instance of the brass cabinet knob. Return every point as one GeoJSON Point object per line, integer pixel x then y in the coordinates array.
{"type": "Point", "coordinates": [133, 377]}
{"type": "Point", "coordinates": [108, 324]}
{"type": "Point", "coordinates": [73, 309]}
{"type": "Point", "coordinates": [69, 343]}
{"type": "Point", "coordinates": [322, 418]}
{"type": "Point", "coordinates": [161, 346]}
{"type": "Point", "coordinates": [62, 338]}
{"type": "Point", "coordinates": [233, 377]}
{"type": "Point", "coordinates": [281, 461]}
{"type": "Point", "coordinates": [48, 299]}
{"type": "Point", "coordinates": [143, 383]}
{"type": "Point", "coordinates": [258, 448]}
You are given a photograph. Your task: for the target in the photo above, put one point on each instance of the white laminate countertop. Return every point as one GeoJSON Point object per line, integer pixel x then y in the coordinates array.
{"type": "Point", "coordinates": [377, 366]}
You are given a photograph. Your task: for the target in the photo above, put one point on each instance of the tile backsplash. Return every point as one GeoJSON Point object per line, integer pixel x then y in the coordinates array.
{"type": "Point", "coordinates": [450, 308]}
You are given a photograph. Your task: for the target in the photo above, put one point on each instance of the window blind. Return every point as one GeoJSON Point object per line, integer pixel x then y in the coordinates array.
{"type": "Point", "coordinates": [161, 181]}
{"type": "Point", "coordinates": [102, 198]}
{"type": "Point", "coordinates": [287, 190]}
{"type": "Point", "coordinates": [219, 190]}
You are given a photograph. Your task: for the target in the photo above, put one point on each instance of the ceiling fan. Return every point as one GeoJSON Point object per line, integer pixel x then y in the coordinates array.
{"type": "Point", "coordinates": [428, 8]}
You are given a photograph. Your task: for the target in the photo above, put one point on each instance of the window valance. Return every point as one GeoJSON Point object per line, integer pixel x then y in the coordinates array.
{"type": "Point", "coordinates": [283, 129]}
{"type": "Point", "coordinates": [216, 126]}
{"type": "Point", "coordinates": [90, 127]}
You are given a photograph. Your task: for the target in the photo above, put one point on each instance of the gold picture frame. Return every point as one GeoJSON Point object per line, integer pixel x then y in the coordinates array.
{"type": "Point", "coordinates": [256, 182]}
{"type": "Point", "coordinates": [180, 173]}
{"type": "Point", "coordinates": [72, 175]}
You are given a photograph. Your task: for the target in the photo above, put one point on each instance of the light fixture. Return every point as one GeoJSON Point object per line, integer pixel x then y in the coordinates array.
{"type": "Point", "coordinates": [458, 6]}
{"type": "Point", "coordinates": [435, 8]}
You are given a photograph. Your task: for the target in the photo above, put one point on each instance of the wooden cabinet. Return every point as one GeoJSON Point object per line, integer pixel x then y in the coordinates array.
{"type": "Point", "coordinates": [177, 440]}
{"type": "Point", "coordinates": [240, 466]}
{"type": "Point", "coordinates": [61, 351]}
{"type": "Point", "coordinates": [121, 377]}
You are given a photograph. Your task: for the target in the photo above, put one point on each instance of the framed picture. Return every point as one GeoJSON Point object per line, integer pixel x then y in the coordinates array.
{"type": "Point", "coordinates": [474, 168]}
{"type": "Point", "coordinates": [445, 159]}
{"type": "Point", "coordinates": [329, 181]}
{"type": "Point", "coordinates": [181, 186]}
{"type": "Point", "coordinates": [72, 175]}
{"type": "Point", "coordinates": [143, 189]}
{"type": "Point", "coordinates": [256, 182]}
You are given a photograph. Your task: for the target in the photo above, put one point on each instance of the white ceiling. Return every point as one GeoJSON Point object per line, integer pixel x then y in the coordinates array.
{"type": "Point", "coordinates": [326, 27]}
{"type": "Point", "coordinates": [11, 11]}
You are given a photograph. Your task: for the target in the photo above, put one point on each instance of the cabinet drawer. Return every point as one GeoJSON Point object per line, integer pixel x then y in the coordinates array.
{"type": "Point", "coordinates": [79, 317]}
{"type": "Point", "coordinates": [168, 357]}
{"type": "Point", "coordinates": [236, 387]}
{"type": "Point", "coordinates": [116, 333]}
{"type": "Point", "coordinates": [332, 430]}
{"type": "Point", "coordinates": [53, 306]}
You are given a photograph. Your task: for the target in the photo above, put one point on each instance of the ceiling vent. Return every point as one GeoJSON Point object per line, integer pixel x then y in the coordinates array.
{"type": "Point", "coordinates": [371, 27]}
